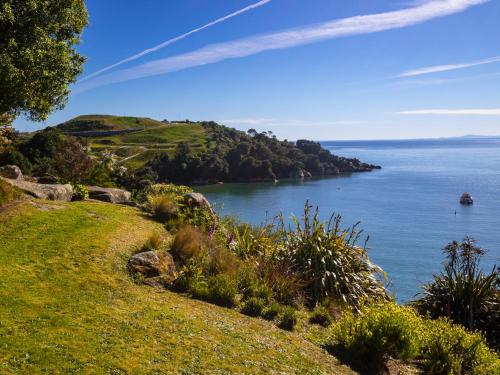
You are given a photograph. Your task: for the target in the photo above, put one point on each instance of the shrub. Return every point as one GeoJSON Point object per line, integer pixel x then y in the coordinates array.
{"type": "Point", "coordinates": [377, 333]}
{"type": "Point", "coordinates": [272, 311]}
{"type": "Point", "coordinates": [222, 290]}
{"type": "Point", "coordinates": [199, 290]}
{"type": "Point", "coordinates": [320, 316]}
{"type": "Point", "coordinates": [252, 242]}
{"type": "Point", "coordinates": [162, 207]}
{"type": "Point", "coordinates": [154, 242]}
{"type": "Point", "coordinates": [188, 243]}
{"type": "Point", "coordinates": [8, 193]}
{"type": "Point", "coordinates": [220, 260]}
{"type": "Point", "coordinates": [449, 349]}
{"type": "Point", "coordinates": [251, 285]}
{"type": "Point", "coordinates": [253, 306]}
{"type": "Point", "coordinates": [80, 192]}
{"type": "Point", "coordinates": [287, 286]}
{"type": "Point", "coordinates": [287, 318]}
{"type": "Point", "coordinates": [330, 263]}
{"type": "Point", "coordinates": [463, 293]}
{"type": "Point", "coordinates": [174, 192]}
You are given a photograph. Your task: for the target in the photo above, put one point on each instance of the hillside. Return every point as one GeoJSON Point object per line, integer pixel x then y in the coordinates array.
{"type": "Point", "coordinates": [209, 152]}
{"type": "Point", "coordinates": [69, 306]}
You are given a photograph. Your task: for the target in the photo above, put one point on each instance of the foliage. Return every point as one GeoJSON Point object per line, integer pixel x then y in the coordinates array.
{"type": "Point", "coordinates": [463, 293]}
{"type": "Point", "coordinates": [321, 316]}
{"type": "Point", "coordinates": [232, 155]}
{"type": "Point", "coordinates": [330, 262]}
{"type": "Point", "coordinates": [252, 241]}
{"type": "Point", "coordinates": [388, 330]}
{"type": "Point", "coordinates": [8, 193]}
{"type": "Point", "coordinates": [253, 306]}
{"type": "Point", "coordinates": [175, 192]}
{"type": "Point", "coordinates": [272, 311]}
{"type": "Point", "coordinates": [154, 242]}
{"type": "Point", "coordinates": [377, 333]}
{"type": "Point", "coordinates": [37, 56]}
{"type": "Point", "coordinates": [71, 161]}
{"type": "Point", "coordinates": [162, 207]}
{"type": "Point", "coordinates": [450, 349]}
{"type": "Point", "coordinates": [287, 318]}
{"type": "Point", "coordinates": [188, 243]}
{"type": "Point", "coordinates": [222, 290]}
{"type": "Point", "coordinates": [80, 192]}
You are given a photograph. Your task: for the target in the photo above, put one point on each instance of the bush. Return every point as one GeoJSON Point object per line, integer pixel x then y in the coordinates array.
{"type": "Point", "coordinates": [220, 260]}
{"type": "Point", "coordinates": [388, 330]}
{"type": "Point", "coordinates": [253, 306]}
{"type": "Point", "coordinates": [272, 311]}
{"type": "Point", "coordinates": [80, 192]}
{"type": "Point", "coordinates": [8, 193]}
{"type": "Point", "coordinates": [162, 207]}
{"type": "Point", "coordinates": [330, 262]}
{"type": "Point", "coordinates": [449, 349]}
{"type": "Point", "coordinates": [251, 285]}
{"type": "Point", "coordinates": [188, 243]}
{"type": "Point", "coordinates": [463, 293]}
{"type": "Point", "coordinates": [154, 242]}
{"type": "Point", "coordinates": [321, 316]}
{"type": "Point", "coordinates": [377, 333]}
{"type": "Point", "coordinates": [199, 290]}
{"type": "Point", "coordinates": [287, 318]}
{"type": "Point", "coordinates": [222, 290]}
{"type": "Point", "coordinates": [287, 286]}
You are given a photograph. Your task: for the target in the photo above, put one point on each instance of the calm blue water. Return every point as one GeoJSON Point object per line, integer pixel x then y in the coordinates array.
{"type": "Point", "coordinates": [407, 208]}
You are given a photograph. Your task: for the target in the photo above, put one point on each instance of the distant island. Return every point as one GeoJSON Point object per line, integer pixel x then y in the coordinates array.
{"type": "Point", "coordinates": [205, 152]}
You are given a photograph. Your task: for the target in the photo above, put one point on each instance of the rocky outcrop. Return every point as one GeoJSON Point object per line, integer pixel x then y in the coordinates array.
{"type": "Point", "coordinates": [47, 180]}
{"type": "Point", "coordinates": [12, 172]}
{"type": "Point", "coordinates": [110, 195]}
{"type": "Point", "coordinates": [197, 200]}
{"type": "Point", "coordinates": [157, 267]}
{"type": "Point", "coordinates": [52, 192]}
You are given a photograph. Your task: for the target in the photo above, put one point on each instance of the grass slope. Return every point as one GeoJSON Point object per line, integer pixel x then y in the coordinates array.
{"type": "Point", "coordinates": [145, 139]}
{"type": "Point", "coordinates": [69, 306]}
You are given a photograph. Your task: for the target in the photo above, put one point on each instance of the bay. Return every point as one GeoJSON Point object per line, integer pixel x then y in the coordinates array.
{"type": "Point", "coordinates": [410, 208]}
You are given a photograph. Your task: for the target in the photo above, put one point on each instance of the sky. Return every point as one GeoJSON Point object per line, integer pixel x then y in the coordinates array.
{"type": "Point", "coordinates": [317, 69]}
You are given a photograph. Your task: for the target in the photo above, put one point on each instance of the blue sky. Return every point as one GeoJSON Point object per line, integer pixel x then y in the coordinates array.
{"type": "Point", "coordinates": [320, 69]}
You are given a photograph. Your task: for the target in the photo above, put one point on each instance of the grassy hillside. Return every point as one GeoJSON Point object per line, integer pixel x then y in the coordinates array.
{"type": "Point", "coordinates": [69, 306]}
{"type": "Point", "coordinates": [135, 140]}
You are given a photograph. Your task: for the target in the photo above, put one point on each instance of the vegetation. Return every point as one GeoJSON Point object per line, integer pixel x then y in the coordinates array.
{"type": "Point", "coordinates": [382, 331]}
{"type": "Point", "coordinates": [69, 305]}
{"type": "Point", "coordinates": [321, 316]}
{"type": "Point", "coordinates": [37, 56]}
{"type": "Point", "coordinates": [463, 293]}
{"type": "Point", "coordinates": [8, 193]}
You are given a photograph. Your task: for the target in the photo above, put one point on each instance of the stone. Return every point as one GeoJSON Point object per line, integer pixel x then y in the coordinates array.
{"type": "Point", "coordinates": [50, 180]}
{"type": "Point", "coordinates": [110, 195]}
{"type": "Point", "coordinates": [53, 192]}
{"type": "Point", "coordinates": [153, 264]}
{"type": "Point", "coordinates": [197, 200]}
{"type": "Point", "coordinates": [12, 172]}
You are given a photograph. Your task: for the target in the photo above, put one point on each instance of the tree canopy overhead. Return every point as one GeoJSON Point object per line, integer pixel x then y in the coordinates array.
{"type": "Point", "coordinates": [37, 56]}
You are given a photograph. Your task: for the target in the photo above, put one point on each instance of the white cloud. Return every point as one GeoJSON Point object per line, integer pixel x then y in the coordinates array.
{"type": "Point", "coordinates": [176, 39]}
{"type": "Point", "coordinates": [453, 112]}
{"type": "Point", "coordinates": [445, 68]}
{"type": "Point", "coordinates": [286, 39]}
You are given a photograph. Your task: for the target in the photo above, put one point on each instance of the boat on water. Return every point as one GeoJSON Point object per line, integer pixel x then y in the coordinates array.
{"type": "Point", "coordinates": [466, 199]}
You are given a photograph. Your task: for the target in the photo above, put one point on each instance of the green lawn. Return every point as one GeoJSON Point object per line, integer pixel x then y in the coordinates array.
{"type": "Point", "coordinates": [69, 306]}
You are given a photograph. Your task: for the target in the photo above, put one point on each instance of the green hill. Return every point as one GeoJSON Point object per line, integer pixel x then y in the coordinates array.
{"type": "Point", "coordinates": [69, 305]}
{"type": "Point", "coordinates": [135, 140]}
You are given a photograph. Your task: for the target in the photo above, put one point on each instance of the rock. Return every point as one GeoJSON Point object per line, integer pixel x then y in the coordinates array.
{"type": "Point", "coordinates": [153, 264]}
{"type": "Point", "coordinates": [197, 200]}
{"type": "Point", "coordinates": [43, 191]}
{"type": "Point", "coordinates": [110, 195]}
{"type": "Point", "coordinates": [12, 172]}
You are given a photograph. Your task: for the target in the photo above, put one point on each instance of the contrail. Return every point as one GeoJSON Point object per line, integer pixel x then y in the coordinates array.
{"type": "Point", "coordinates": [239, 48]}
{"type": "Point", "coordinates": [445, 68]}
{"type": "Point", "coordinates": [176, 39]}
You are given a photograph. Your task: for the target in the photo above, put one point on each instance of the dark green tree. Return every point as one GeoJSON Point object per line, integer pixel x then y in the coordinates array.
{"type": "Point", "coordinates": [37, 56]}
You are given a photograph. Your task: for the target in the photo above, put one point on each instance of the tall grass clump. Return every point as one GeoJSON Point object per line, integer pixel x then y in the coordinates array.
{"type": "Point", "coordinates": [8, 193]}
{"type": "Point", "coordinates": [154, 242]}
{"type": "Point", "coordinates": [329, 261]}
{"type": "Point", "coordinates": [162, 207]}
{"type": "Point", "coordinates": [463, 293]}
{"type": "Point", "coordinates": [188, 243]}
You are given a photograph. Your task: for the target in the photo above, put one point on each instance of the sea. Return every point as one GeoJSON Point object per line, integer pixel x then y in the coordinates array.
{"type": "Point", "coordinates": [410, 208]}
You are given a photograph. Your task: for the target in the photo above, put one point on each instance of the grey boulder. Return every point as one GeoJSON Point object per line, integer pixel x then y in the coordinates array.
{"type": "Point", "coordinates": [153, 264]}
{"type": "Point", "coordinates": [110, 195]}
{"type": "Point", "coordinates": [51, 192]}
{"type": "Point", "coordinates": [12, 172]}
{"type": "Point", "coordinates": [197, 200]}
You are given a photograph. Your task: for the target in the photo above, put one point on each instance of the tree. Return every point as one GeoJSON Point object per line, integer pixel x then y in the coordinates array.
{"type": "Point", "coordinates": [37, 56]}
